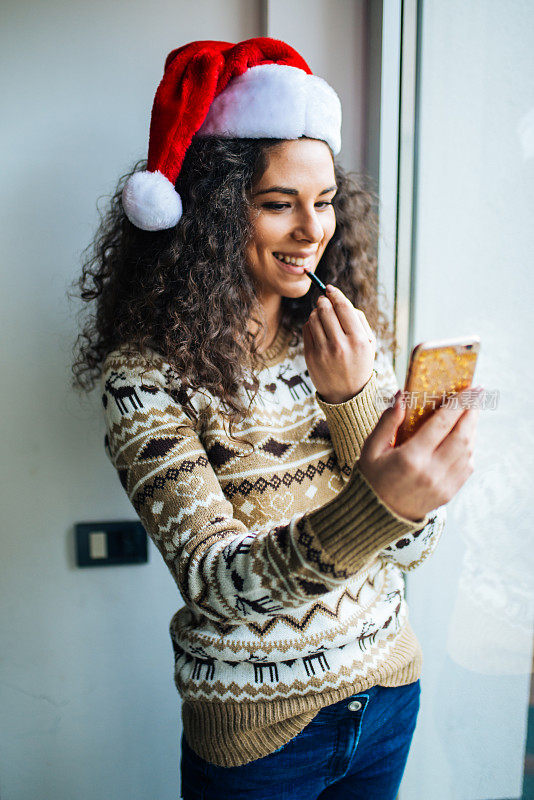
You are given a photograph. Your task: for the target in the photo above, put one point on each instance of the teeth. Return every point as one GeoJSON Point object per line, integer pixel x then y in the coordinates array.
{"type": "Point", "coordinates": [298, 262]}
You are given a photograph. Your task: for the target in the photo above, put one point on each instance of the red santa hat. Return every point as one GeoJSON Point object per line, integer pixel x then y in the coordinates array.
{"type": "Point", "coordinates": [253, 89]}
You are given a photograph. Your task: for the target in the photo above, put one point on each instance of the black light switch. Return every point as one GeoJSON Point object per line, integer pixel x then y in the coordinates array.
{"type": "Point", "coordinates": [100, 544]}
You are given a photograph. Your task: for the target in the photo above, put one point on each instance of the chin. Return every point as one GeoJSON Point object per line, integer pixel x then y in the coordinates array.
{"type": "Point", "coordinates": [294, 292]}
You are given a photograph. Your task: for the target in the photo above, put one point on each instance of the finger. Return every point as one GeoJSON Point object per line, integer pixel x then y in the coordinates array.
{"type": "Point", "coordinates": [316, 328]}
{"type": "Point", "coordinates": [455, 473]}
{"type": "Point", "coordinates": [386, 428]}
{"type": "Point", "coordinates": [366, 325]}
{"type": "Point", "coordinates": [461, 440]}
{"type": "Point", "coordinates": [308, 335]}
{"type": "Point", "coordinates": [367, 328]}
{"type": "Point", "coordinates": [439, 424]}
{"type": "Point", "coordinates": [349, 318]}
{"type": "Point", "coordinates": [329, 320]}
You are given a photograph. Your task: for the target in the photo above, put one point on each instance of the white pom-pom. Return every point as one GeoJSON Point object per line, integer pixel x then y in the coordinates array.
{"type": "Point", "coordinates": [151, 202]}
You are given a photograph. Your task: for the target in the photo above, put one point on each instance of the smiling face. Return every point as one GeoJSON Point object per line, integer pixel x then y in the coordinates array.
{"type": "Point", "coordinates": [299, 222]}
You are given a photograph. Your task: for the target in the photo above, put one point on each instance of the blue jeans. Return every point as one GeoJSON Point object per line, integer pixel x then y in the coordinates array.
{"type": "Point", "coordinates": [356, 749]}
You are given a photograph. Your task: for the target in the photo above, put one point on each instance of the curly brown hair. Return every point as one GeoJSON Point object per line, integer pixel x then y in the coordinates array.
{"type": "Point", "coordinates": [186, 292]}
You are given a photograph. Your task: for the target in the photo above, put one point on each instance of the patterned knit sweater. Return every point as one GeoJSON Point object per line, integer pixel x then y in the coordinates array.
{"type": "Point", "coordinates": [289, 564]}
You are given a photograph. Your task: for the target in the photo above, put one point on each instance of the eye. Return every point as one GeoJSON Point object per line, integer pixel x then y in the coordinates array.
{"type": "Point", "coordinates": [280, 206]}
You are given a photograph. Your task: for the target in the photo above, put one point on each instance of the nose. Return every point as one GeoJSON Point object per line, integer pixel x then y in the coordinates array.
{"type": "Point", "coordinates": [309, 227]}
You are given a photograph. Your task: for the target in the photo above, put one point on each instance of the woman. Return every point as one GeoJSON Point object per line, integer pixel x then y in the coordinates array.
{"type": "Point", "coordinates": [288, 533]}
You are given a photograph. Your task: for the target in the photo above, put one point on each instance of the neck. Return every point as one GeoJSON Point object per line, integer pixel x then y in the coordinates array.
{"type": "Point", "coordinates": [272, 315]}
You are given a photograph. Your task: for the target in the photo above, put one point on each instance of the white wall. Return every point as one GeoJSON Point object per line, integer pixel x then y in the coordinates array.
{"type": "Point", "coordinates": [89, 708]}
{"type": "Point", "coordinates": [472, 603]}
{"type": "Point", "coordinates": [88, 705]}
{"type": "Point", "coordinates": [331, 35]}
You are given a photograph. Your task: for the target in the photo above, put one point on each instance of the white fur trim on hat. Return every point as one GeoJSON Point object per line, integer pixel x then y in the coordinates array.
{"type": "Point", "coordinates": [151, 202]}
{"type": "Point", "coordinates": [276, 101]}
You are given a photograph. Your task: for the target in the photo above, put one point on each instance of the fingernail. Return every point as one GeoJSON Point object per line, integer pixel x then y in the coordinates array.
{"type": "Point", "coordinates": [399, 395]}
{"type": "Point", "coordinates": [329, 287]}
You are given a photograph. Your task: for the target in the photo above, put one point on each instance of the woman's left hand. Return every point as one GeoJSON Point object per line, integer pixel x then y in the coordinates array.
{"type": "Point", "coordinates": [339, 348]}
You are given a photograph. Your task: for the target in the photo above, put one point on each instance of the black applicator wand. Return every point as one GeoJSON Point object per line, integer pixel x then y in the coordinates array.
{"type": "Point", "coordinates": [317, 281]}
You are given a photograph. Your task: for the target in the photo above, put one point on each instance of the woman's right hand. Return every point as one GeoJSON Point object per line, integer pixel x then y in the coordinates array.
{"type": "Point", "coordinates": [428, 469]}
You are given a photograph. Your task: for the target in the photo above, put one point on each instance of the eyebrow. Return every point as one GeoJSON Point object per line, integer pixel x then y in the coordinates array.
{"type": "Point", "coordinates": [286, 190]}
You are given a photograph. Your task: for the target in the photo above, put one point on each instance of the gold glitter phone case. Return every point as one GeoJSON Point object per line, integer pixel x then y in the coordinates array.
{"type": "Point", "coordinates": [436, 371]}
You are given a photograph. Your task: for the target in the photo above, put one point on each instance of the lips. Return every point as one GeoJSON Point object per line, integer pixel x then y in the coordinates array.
{"type": "Point", "coordinates": [293, 267]}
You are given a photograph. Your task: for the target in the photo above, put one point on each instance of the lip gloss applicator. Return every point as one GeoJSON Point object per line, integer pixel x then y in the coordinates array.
{"type": "Point", "coordinates": [317, 281]}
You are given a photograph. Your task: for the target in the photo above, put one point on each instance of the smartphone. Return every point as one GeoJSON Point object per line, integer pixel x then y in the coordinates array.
{"type": "Point", "coordinates": [436, 371]}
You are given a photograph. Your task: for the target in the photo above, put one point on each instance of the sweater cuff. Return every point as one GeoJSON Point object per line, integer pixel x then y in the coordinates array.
{"type": "Point", "coordinates": [351, 422]}
{"type": "Point", "coordinates": [356, 524]}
